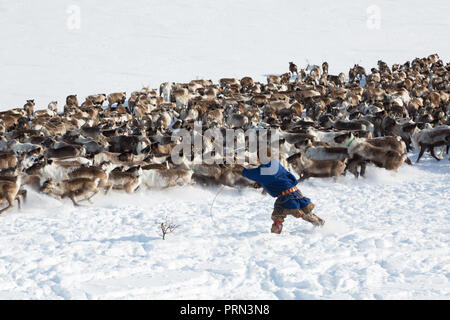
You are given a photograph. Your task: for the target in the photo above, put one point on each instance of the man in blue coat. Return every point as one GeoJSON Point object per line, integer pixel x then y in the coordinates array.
{"type": "Point", "coordinates": [280, 183]}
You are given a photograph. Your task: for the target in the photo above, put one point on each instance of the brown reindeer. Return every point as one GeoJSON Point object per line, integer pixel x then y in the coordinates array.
{"type": "Point", "coordinates": [72, 188]}
{"type": "Point", "coordinates": [390, 160]}
{"type": "Point", "coordinates": [10, 191]}
{"type": "Point", "coordinates": [29, 107]}
{"type": "Point", "coordinates": [7, 160]}
{"type": "Point", "coordinates": [71, 101]}
{"type": "Point", "coordinates": [119, 180]}
{"type": "Point", "coordinates": [97, 99]}
{"type": "Point", "coordinates": [117, 97]}
{"type": "Point", "coordinates": [293, 68]}
{"type": "Point", "coordinates": [93, 172]}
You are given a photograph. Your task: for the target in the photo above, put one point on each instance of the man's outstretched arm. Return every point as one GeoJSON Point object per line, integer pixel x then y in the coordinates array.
{"type": "Point", "coordinates": [253, 172]}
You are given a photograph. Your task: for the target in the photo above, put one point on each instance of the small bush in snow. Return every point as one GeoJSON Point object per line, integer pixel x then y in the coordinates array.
{"type": "Point", "coordinates": [167, 227]}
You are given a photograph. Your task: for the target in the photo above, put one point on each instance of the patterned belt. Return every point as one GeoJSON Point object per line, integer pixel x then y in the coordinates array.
{"type": "Point", "coordinates": [285, 192]}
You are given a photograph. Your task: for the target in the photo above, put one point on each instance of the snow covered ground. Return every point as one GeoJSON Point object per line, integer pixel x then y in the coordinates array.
{"type": "Point", "coordinates": [386, 236]}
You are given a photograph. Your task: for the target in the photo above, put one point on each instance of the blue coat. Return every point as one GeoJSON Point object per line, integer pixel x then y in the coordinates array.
{"type": "Point", "coordinates": [277, 182]}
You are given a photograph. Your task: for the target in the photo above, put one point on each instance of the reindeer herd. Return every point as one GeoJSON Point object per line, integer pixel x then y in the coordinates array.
{"type": "Point", "coordinates": [327, 124]}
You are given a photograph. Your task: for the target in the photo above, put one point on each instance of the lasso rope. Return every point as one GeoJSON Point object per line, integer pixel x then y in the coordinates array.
{"type": "Point", "coordinates": [212, 204]}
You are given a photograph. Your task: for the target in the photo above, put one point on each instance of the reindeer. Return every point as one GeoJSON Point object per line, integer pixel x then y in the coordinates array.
{"type": "Point", "coordinates": [53, 107]}
{"type": "Point", "coordinates": [333, 139]}
{"type": "Point", "coordinates": [93, 172]}
{"type": "Point", "coordinates": [10, 191]}
{"type": "Point", "coordinates": [365, 151]}
{"type": "Point", "coordinates": [307, 168]}
{"type": "Point", "coordinates": [165, 178]}
{"type": "Point", "coordinates": [72, 188]}
{"type": "Point", "coordinates": [65, 151]}
{"type": "Point", "coordinates": [181, 96]}
{"type": "Point", "coordinates": [165, 90]}
{"type": "Point", "coordinates": [117, 97]}
{"type": "Point", "coordinates": [98, 99]}
{"type": "Point", "coordinates": [71, 102]}
{"type": "Point", "coordinates": [293, 68]}
{"type": "Point", "coordinates": [322, 152]}
{"type": "Point", "coordinates": [29, 107]}
{"type": "Point", "coordinates": [431, 138]}
{"type": "Point", "coordinates": [120, 180]}
{"type": "Point", "coordinates": [7, 160]}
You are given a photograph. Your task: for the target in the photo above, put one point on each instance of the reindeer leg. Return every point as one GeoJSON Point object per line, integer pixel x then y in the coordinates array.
{"type": "Point", "coordinates": [108, 188]}
{"type": "Point", "coordinates": [422, 150]}
{"type": "Point", "coordinates": [93, 194]}
{"type": "Point", "coordinates": [85, 193]}
{"type": "Point", "coordinates": [23, 193]}
{"type": "Point", "coordinates": [130, 188]}
{"type": "Point", "coordinates": [433, 155]}
{"type": "Point", "coordinates": [363, 169]}
{"type": "Point", "coordinates": [407, 143]}
{"type": "Point", "coordinates": [18, 198]}
{"type": "Point", "coordinates": [352, 166]}
{"type": "Point", "coordinates": [408, 147]}
{"type": "Point", "coordinates": [72, 197]}
{"type": "Point", "coordinates": [85, 198]}
{"type": "Point", "coordinates": [4, 209]}
{"type": "Point", "coordinates": [10, 205]}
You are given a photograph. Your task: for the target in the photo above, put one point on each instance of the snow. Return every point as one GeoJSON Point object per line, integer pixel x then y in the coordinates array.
{"type": "Point", "coordinates": [385, 237]}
